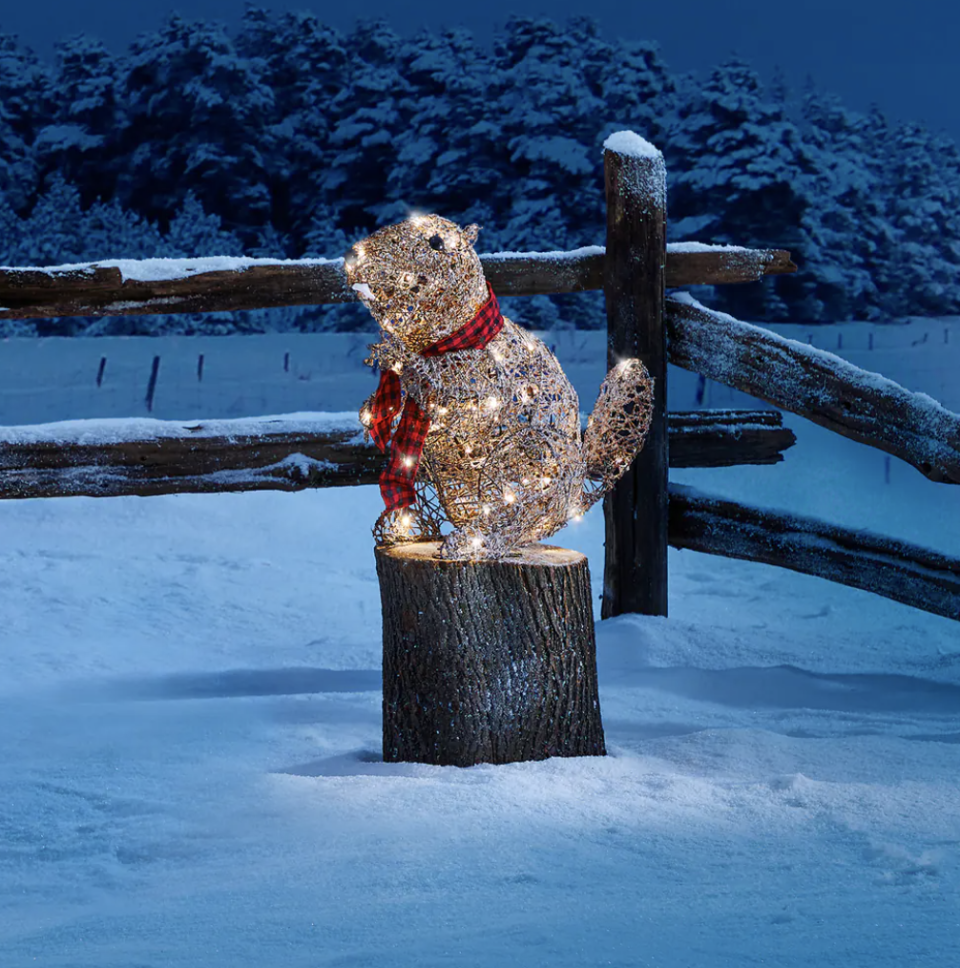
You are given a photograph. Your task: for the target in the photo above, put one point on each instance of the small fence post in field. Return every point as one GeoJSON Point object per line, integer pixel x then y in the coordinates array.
{"type": "Point", "coordinates": [635, 567]}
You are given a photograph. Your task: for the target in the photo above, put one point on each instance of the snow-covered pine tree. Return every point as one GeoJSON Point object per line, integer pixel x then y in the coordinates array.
{"type": "Point", "coordinates": [449, 75]}
{"type": "Point", "coordinates": [195, 122]}
{"type": "Point", "coordinates": [740, 174]}
{"type": "Point", "coordinates": [25, 108]}
{"type": "Point", "coordinates": [922, 208]}
{"type": "Point", "coordinates": [305, 68]}
{"type": "Point", "coordinates": [112, 232]}
{"type": "Point", "coordinates": [195, 232]}
{"type": "Point", "coordinates": [53, 233]}
{"type": "Point", "coordinates": [548, 119]}
{"type": "Point", "coordinates": [635, 87]}
{"type": "Point", "coordinates": [847, 225]}
{"type": "Point", "coordinates": [470, 163]}
{"type": "Point", "coordinates": [79, 142]}
{"type": "Point", "coordinates": [779, 90]}
{"type": "Point", "coordinates": [11, 230]}
{"type": "Point", "coordinates": [549, 115]}
{"type": "Point", "coordinates": [367, 119]}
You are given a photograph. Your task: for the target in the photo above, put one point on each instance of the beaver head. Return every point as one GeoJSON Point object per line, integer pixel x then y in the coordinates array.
{"type": "Point", "coordinates": [421, 278]}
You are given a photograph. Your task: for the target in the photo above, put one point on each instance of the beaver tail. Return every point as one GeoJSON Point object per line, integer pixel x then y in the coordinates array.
{"type": "Point", "coordinates": [617, 428]}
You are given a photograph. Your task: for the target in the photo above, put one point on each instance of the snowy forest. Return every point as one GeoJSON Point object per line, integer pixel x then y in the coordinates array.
{"type": "Point", "coordinates": [291, 139]}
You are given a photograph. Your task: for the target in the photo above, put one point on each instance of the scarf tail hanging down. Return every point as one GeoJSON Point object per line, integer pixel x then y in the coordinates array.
{"type": "Point", "coordinates": [406, 448]}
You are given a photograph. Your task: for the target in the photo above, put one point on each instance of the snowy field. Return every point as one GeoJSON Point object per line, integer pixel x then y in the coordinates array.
{"type": "Point", "coordinates": [57, 378]}
{"type": "Point", "coordinates": [190, 730]}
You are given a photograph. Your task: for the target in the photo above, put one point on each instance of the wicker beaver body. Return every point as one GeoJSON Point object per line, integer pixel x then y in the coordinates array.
{"type": "Point", "coordinates": [503, 459]}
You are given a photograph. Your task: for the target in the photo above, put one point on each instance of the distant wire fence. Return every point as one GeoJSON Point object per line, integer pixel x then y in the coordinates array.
{"type": "Point", "coordinates": [52, 379]}
{"type": "Point", "coordinates": [180, 378]}
{"type": "Point", "coordinates": [644, 514]}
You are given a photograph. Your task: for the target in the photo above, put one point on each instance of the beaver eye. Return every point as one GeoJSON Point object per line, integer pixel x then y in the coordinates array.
{"type": "Point", "coordinates": [436, 242]}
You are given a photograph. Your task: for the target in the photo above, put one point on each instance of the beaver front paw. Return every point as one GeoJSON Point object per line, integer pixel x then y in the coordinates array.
{"type": "Point", "coordinates": [402, 525]}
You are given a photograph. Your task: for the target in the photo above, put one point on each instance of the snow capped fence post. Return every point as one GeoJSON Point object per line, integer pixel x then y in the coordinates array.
{"type": "Point", "coordinates": [635, 569]}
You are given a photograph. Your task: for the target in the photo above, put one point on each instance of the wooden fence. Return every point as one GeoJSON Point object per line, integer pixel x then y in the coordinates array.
{"type": "Point", "coordinates": [645, 513]}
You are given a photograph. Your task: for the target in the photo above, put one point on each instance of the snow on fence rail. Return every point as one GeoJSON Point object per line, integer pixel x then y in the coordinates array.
{"type": "Point", "coordinates": [815, 384]}
{"type": "Point", "coordinates": [110, 458]}
{"type": "Point", "coordinates": [895, 569]}
{"type": "Point", "coordinates": [128, 287]}
{"type": "Point", "coordinates": [644, 513]}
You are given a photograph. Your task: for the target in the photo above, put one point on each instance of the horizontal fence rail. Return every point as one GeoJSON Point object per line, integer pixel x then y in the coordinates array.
{"type": "Point", "coordinates": [726, 438]}
{"type": "Point", "coordinates": [232, 284]}
{"type": "Point", "coordinates": [894, 569]}
{"type": "Point", "coordinates": [110, 458]}
{"type": "Point", "coordinates": [815, 384]}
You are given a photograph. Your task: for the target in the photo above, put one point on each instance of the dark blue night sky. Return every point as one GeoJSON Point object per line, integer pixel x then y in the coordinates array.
{"type": "Point", "coordinates": [901, 56]}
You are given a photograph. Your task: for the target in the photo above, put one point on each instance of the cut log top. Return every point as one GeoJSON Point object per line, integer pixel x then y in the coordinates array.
{"type": "Point", "coordinates": [538, 555]}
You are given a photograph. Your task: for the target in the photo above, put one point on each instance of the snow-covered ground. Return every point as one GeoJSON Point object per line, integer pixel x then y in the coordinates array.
{"type": "Point", "coordinates": [190, 729]}
{"type": "Point", "coordinates": [60, 378]}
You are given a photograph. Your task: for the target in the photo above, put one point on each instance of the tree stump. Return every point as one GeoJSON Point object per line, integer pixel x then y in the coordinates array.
{"type": "Point", "coordinates": [487, 661]}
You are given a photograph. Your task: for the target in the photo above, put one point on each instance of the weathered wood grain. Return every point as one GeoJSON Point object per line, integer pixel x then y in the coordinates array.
{"type": "Point", "coordinates": [725, 438]}
{"type": "Point", "coordinates": [894, 569]}
{"type": "Point", "coordinates": [722, 266]}
{"type": "Point", "coordinates": [188, 459]}
{"type": "Point", "coordinates": [101, 290]}
{"type": "Point", "coordinates": [820, 386]}
{"type": "Point", "coordinates": [487, 661]}
{"type": "Point", "coordinates": [186, 464]}
{"type": "Point", "coordinates": [635, 511]}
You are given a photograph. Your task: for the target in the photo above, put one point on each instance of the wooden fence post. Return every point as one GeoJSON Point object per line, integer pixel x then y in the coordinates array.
{"type": "Point", "coordinates": [635, 567]}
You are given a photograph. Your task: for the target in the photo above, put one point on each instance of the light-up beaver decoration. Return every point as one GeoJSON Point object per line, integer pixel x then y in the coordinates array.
{"type": "Point", "coordinates": [485, 425]}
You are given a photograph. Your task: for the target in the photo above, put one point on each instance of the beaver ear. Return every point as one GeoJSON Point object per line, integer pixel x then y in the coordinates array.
{"type": "Point", "coordinates": [471, 232]}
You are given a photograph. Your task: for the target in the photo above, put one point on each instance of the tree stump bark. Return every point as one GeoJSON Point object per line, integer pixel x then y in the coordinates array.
{"type": "Point", "coordinates": [487, 661]}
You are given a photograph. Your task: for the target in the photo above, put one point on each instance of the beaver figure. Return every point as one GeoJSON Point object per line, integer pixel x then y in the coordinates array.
{"type": "Point", "coordinates": [485, 425]}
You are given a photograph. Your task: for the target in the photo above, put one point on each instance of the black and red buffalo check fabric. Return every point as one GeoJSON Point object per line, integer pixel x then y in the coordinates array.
{"type": "Point", "coordinates": [406, 447]}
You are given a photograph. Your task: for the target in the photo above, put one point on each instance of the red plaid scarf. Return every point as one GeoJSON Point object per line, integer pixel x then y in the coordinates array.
{"type": "Point", "coordinates": [396, 480]}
